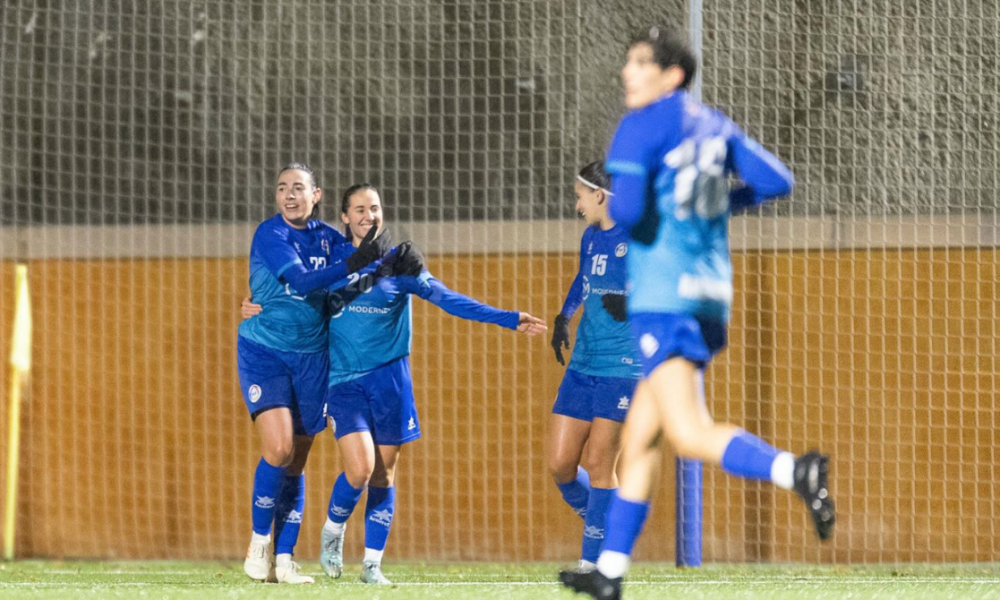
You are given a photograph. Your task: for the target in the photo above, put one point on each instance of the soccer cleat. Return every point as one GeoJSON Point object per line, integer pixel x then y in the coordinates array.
{"type": "Point", "coordinates": [331, 554]}
{"type": "Point", "coordinates": [290, 574]}
{"type": "Point", "coordinates": [593, 583]}
{"type": "Point", "coordinates": [371, 572]}
{"type": "Point", "coordinates": [257, 565]}
{"type": "Point", "coordinates": [585, 566]}
{"type": "Point", "coordinates": [811, 472]}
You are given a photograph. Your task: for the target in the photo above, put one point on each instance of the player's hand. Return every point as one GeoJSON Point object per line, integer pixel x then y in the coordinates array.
{"type": "Point", "coordinates": [373, 246]}
{"type": "Point", "coordinates": [249, 309]}
{"type": "Point", "coordinates": [530, 325]}
{"type": "Point", "coordinates": [408, 260]}
{"type": "Point", "coordinates": [560, 337]}
{"type": "Point", "coordinates": [614, 305]}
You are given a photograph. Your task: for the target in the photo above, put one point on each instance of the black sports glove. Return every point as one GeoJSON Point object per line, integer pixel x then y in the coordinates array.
{"type": "Point", "coordinates": [560, 337]}
{"type": "Point", "coordinates": [614, 305]}
{"type": "Point", "coordinates": [645, 230]}
{"type": "Point", "coordinates": [408, 260]}
{"type": "Point", "coordinates": [370, 250]}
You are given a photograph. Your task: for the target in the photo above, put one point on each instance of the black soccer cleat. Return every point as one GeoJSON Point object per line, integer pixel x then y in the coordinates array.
{"type": "Point", "coordinates": [592, 583]}
{"type": "Point", "coordinates": [811, 472]}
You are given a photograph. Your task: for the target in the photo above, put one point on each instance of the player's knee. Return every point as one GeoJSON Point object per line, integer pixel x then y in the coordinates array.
{"type": "Point", "coordinates": [600, 464]}
{"type": "Point", "coordinates": [359, 474]}
{"type": "Point", "coordinates": [562, 466]}
{"type": "Point", "coordinates": [279, 453]}
{"type": "Point", "coordinates": [687, 441]}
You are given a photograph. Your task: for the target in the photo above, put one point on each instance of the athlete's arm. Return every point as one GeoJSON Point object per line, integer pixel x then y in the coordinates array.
{"type": "Point", "coordinates": [765, 176]}
{"type": "Point", "coordinates": [459, 305]}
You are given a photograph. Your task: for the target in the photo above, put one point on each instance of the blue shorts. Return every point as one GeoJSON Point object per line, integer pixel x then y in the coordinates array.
{"type": "Point", "coordinates": [662, 336]}
{"type": "Point", "coordinates": [271, 379]}
{"type": "Point", "coordinates": [585, 397]}
{"type": "Point", "coordinates": [380, 402]}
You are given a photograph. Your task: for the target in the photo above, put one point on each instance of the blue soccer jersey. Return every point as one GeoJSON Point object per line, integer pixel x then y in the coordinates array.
{"type": "Point", "coordinates": [370, 323]}
{"type": "Point", "coordinates": [290, 321]}
{"type": "Point", "coordinates": [604, 347]}
{"type": "Point", "coordinates": [669, 163]}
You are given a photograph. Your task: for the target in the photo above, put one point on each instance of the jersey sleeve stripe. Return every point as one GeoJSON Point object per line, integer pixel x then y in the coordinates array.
{"type": "Point", "coordinates": [623, 167]}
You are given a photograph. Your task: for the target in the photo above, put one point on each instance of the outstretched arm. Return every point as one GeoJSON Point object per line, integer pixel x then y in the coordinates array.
{"type": "Point", "coordinates": [459, 305]}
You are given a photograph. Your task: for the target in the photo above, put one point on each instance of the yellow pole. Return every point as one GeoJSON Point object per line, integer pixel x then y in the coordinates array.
{"type": "Point", "coordinates": [20, 364]}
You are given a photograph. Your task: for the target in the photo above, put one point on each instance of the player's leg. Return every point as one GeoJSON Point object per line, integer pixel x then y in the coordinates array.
{"type": "Point", "coordinates": [641, 440]}
{"type": "Point", "coordinates": [274, 427]}
{"type": "Point", "coordinates": [357, 455]}
{"type": "Point", "coordinates": [603, 448]}
{"type": "Point", "coordinates": [347, 406]}
{"type": "Point", "coordinates": [677, 384]}
{"type": "Point", "coordinates": [379, 511]}
{"type": "Point", "coordinates": [564, 448]}
{"type": "Point", "coordinates": [395, 422]}
{"type": "Point", "coordinates": [288, 514]}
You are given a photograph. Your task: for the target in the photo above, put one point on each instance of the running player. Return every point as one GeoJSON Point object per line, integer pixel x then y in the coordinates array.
{"type": "Point", "coordinates": [669, 161]}
{"type": "Point", "coordinates": [601, 377]}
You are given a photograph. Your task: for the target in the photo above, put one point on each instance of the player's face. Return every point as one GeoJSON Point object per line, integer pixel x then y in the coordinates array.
{"type": "Point", "coordinates": [644, 80]}
{"type": "Point", "coordinates": [296, 197]}
{"type": "Point", "coordinates": [590, 204]}
{"type": "Point", "coordinates": [363, 212]}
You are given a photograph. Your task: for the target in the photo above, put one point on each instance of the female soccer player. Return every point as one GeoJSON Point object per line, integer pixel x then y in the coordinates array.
{"type": "Point", "coordinates": [282, 358]}
{"type": "Point", "coordinates": [595, 392]}
{"type": "Point", "coordinates": [370, 396]}
{"type": "Point", "coordinates": [669, 161]}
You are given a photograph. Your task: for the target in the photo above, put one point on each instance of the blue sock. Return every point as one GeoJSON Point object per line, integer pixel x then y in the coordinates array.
{"type": "Point", "coordinates": [378, 516]}
{"type": "Point", "coordinates": [267, 483]}
{"type": "Point", "coordinates": [288, 514]}
{"type": "Point", "coordinates": [593, 525]}
{"type": "Point", "coordinates": [343, 499]}
{"type": "Point", "coordinates": [576, 493]}
{"type": "Point", "coordinates": [624, 524]}
{"type": "Point", "coordinates": [748, 456]}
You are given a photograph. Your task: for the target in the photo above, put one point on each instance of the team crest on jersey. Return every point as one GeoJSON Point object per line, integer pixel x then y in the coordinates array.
{"type": "Point", "coordinates": [648, 345]}
{"type": "Point", "coordinates": [326, 246]}
{"type": "Point", "coordinates": [254, 393]}
{"type": "Point", "coordinates": [621, 249]}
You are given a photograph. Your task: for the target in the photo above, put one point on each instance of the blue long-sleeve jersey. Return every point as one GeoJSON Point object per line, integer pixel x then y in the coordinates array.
{"type": "Point", "coordinates": [604, 347]}
{"type": "Point", "coordinates": [370, 321]}
{"type": "Point", "coordinates": [293, 321]}
{"type": "Point", "coordinates": [669, 163]}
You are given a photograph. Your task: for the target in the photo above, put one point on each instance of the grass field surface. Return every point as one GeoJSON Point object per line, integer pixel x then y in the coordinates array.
{"type": "Point", "coordinates": [196, 581]}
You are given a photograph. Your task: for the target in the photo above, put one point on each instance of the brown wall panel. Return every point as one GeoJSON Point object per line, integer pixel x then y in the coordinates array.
{"type": "Point", "coordinates": [137, 444]}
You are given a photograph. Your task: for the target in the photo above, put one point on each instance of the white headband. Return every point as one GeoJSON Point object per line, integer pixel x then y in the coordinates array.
{"type": "Point", "coordinates": [592, 185]}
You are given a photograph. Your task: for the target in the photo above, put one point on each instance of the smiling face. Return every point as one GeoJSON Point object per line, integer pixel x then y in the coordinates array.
{"type": "Point", "coordinates": [644, 80]}
{"type": "Point", "coordinates": [296, 195]}
{"type": "Point", "coordinates": [590, 203]}
{"type": "Point", "coordinates": [364, 210]}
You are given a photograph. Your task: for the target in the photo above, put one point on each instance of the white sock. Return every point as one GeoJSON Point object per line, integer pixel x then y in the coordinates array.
{"type": "Point", "coordinates": [783, 470]}
{"type": "Point", "coordinates": [586, 566]}
{"type": "Point", "coordinates": [373, 556]}
{"type": "Point", "coordinates": [336, 529]}
{"type": "Point", "coordinates": [257, 538]}
{"type": "Point", "coordinates": [282, 560]}
{"type": "Point", "coordinates": [612, 564]}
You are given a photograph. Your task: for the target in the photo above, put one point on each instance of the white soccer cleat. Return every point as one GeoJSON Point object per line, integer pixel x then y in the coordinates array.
{"type": "Point", "coordinates": [331, 554]}
{"type": "Point", "coordinates": [258, 564]}
{"type": "Point", "coordinates": [371, 572]}
{"type": "Point", "coordinates": [289, 573]}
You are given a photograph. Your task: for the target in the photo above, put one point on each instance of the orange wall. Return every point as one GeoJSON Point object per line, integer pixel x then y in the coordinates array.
{"type": "Point", "coordinates": [136, 443]}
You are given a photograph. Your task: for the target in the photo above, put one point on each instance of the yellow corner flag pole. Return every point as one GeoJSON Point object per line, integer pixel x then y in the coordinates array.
{"type": "Point", "coordinates": [20, 364]}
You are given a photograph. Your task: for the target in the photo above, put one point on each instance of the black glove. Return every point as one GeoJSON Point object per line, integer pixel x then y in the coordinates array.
{"type": "Point", "coordinates": [408, 260]}
{"type": "Point", "coordinates": [614, 305]}
{"type": "Point", "coordinates": [646, 229]}
{"type": "Point", "coordinates": [560, 337]}
{"type": "Point", "coordinates": [370, 250]}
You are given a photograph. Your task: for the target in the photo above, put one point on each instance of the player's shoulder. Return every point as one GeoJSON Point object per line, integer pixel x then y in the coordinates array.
{"type": "Point", "coordinates": [270, 229]}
